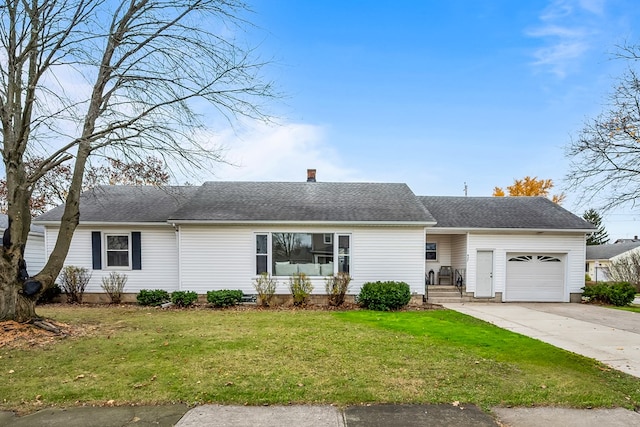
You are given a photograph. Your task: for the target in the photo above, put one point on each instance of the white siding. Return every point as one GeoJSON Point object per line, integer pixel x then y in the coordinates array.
{"type": "Point", "coordinates": [573, 245]}
{"type": "Point", "coordinates": [34, 253]}
{"type": "Point", "coordinates": [159, 257]}
{"type": "Point", "coordinates": [224, 257]}
{"type": "Point", "coordinates": [214, 258]}
{"type": "Point", "coordinates": [388, 254]}
{"type": "Point", "coordinates": [459, 253]}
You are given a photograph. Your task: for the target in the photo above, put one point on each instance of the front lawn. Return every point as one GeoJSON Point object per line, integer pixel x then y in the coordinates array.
{"type": "Point", "coordinates": [255, 357]}
{"type": "Point", "coordinates": [633, 307]}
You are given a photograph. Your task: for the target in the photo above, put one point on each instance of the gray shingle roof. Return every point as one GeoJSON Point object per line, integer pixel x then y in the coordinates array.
{"type": "Point", "coordinates": [501, 212]}
{"type": "Point", "coordinates": [123, 203]}
{"type": "Point", "coordinates": [303, 201]}
{"type": "Point", "coordinates": [4, 223]}
{"type": "Point", "coordinates": [609, 251]}
{"type": "Point", "coordinates": [316, 201]}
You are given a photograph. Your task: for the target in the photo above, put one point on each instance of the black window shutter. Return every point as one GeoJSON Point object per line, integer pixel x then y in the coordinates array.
{"type": "Point", "coordinates": [136, 248]}
{"type": "Point", "coordinates": [96, 250]}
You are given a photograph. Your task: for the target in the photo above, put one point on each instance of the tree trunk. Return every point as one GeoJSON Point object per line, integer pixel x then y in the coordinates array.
{"type": "Point", "coordinates": [13, 304]}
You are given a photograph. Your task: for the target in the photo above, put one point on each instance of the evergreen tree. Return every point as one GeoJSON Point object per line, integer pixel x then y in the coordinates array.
{"type": "Point", "coordinates": [600, 236]}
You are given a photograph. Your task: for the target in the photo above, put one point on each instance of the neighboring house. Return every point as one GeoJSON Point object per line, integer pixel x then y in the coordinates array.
{"type": "Point", "coordinates": [600, 257]}
{"type": "Point", "coordinates": [222, 235]}
{"type": "Point", "coordinates": [635, 239]}
{"type": "Point", "coordinates": [34, 253]}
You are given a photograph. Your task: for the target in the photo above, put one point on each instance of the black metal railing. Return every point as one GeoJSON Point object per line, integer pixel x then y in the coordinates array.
{"type": "Point", "coordinates": [426, 288]}
{"type": "Point", "coordinates": [459, 280]}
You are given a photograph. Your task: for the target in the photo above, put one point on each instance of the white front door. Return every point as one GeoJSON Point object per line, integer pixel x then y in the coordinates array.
{"type": "Point", "coordinates": [484, 274]}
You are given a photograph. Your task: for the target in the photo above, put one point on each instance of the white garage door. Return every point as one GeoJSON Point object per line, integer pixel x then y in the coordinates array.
{"type": "Point", "coordinates": [535, 277]}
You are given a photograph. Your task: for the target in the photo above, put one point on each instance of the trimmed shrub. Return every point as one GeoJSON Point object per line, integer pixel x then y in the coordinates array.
{"type": "Point", "coordinates": [618, 293]}
{"type": "Point", "coordinates": [384, 296]}
{"type": "Point", "coordinates": [49, 294]}
{"type": "Point", "coordinates": [114, 286]}
{"type": "Point", "coordinates": [587, 278]}
{"type": "Point", "coordinates": [621, 293]}
{"type": "Point", "coordinates": [337, 287]}
{"type": "Point", "coordinates": [300, 287]}
{"type": "Point", "coordinates": [153, 297]}
{"type": "Point", "coordinates": [225, 297]}
{"type": "Point", "coordinates": [596, 293]}
{"type": "Point", "coordinates": [184, 298]}
{"type": "Point", "coordinates": [73, 281]}
{"type": "Point", "coordinates": [265, 286]}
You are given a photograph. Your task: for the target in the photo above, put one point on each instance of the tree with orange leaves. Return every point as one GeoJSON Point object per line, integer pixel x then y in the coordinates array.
{"type": "Point", "coordinates": [528, 186]}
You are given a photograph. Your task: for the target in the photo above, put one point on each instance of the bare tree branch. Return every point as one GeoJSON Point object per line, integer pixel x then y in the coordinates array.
{"type": "Point", "coordinates": [605, 155]}
{"type": "Point", "coordinates": [82, 79]}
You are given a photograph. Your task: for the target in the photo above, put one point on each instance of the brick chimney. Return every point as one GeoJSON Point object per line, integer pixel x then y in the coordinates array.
{"type": "Point", "coordinates": [311, 175]}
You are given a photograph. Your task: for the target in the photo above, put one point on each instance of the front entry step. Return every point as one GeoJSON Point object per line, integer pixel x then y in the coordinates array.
{"type": "Point", "coordinates": [445, 294]}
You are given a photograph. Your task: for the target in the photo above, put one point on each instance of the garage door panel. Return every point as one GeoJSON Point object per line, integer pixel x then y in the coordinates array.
{"type": "Point", "coordinates": [535, 277]}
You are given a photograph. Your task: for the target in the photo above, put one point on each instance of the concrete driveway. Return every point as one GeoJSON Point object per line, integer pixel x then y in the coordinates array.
{"type": "Point", "coordinates": [608, 335]}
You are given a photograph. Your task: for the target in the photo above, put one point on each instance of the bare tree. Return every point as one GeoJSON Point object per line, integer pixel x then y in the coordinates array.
{"type": "Point", "coordinates": [605, 156]}
{"type": "Point", "coordinates": [285, 245]}
{"type": "Point", "coordinates": [80, 78]}
{"type": "Point", "coordinates": [626, 269]}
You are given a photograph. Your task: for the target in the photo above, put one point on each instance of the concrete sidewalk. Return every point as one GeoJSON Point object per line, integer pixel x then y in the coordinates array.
{"type": "Point", "coordinates": [322, 416]}
{"type": "Point", "coordinates": [607, 335]}
{"type": "Point", "coordinates": [329, 416]}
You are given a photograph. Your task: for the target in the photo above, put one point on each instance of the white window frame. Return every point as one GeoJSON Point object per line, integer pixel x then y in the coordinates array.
{"type": "Point", "coordinates": [433, 251]}
{"type": "Point", "coordinates": [335, 241]}
{"type": "Point", "coordinates": [337, 255]}
{"type": "Point", "coordinates": [106, 251]}
{"type": "Point", "coordinates": [256, 254]}
{"type": "Point", "coordinates": [328, 238]}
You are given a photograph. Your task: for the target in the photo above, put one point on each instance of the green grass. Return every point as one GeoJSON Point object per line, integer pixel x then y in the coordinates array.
{"type": "Point", "coordinates": [147, 356]}
{"type": "Point", "coordinates": [633, 307]}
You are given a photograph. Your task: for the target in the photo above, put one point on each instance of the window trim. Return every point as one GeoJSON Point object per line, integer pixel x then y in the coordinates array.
{"type": "Point", "coordinates": [334, 237]}
{"type": "Point", "coordinates": [433, 251]}
{"type": "Point", "coordinates": [256, 254]}
{"type": "Point", "coordinates": [105, 252]}
{"type": "Point", "coordinates": [349, 255]}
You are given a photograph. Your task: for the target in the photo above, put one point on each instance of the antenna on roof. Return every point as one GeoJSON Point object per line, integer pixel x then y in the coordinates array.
{"type": "Point", "coordinates": [465, 189]}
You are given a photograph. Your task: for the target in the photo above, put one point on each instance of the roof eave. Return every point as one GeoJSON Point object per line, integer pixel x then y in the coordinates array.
{"type": "Point", "coordinates": [299, 222]}
{"type": "Point", "coordinates": [107, 223]}
{"type": "Point", "coordinates": [512, 230]}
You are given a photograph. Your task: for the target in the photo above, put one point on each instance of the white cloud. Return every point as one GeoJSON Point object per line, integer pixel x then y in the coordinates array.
{"type": "Point", "coordinates": [278, 153]}
{"type": "Point", "coordinates": [593, 6]}
{"type": "Point", "coordinates": [557, 55]}
{"type": "Point", "coordinates": [557, 31]}
{"type": "Point", "coordinates": [566, 29]}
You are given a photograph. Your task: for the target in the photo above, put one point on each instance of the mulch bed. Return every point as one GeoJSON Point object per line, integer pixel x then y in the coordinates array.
{"type": "Point", "coordinates": [27, 335]}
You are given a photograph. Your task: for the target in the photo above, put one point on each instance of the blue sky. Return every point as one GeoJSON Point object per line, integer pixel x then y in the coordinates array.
{"type": "Point", "coordinates": [431, 93]}
{"type": "Point", "coordinates": [435, 94]}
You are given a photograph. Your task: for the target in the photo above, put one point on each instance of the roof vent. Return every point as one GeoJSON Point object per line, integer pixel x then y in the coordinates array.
{"type": "Point", "coordinates": [311, 175]}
